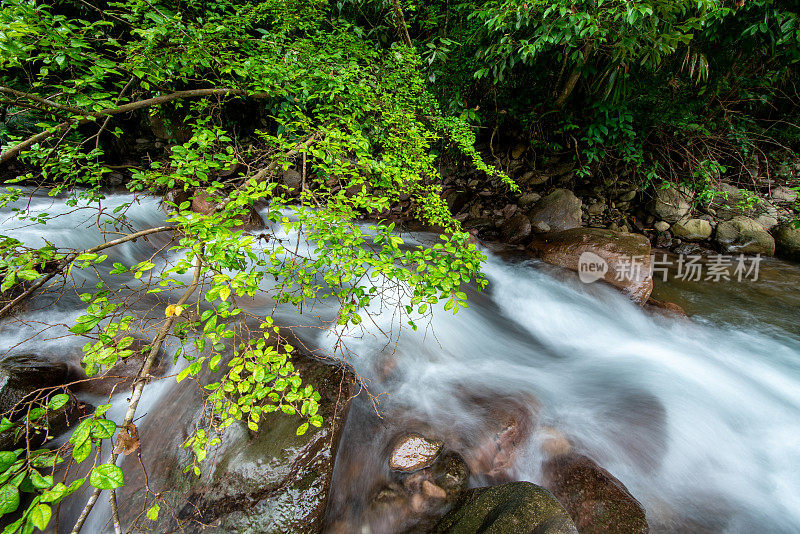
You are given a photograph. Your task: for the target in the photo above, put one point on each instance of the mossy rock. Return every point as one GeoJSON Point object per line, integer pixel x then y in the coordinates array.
{"type": "Point", "coordinates": [513, 508]}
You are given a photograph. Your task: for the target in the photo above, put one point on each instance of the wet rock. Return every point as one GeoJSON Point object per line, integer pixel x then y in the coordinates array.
{"type": "Point", "coordinates": [597, 502]}
{"type": "Point", "coordinates": [58, 422]}
{"type": "Point", "coordinates": [168, 128]}
{"type": "Point", "coordinates": [413, 452]}
{"type": "Point", "coordinates": [767, 221]}
{"type": "Point", "coordinates": [414, 501]}
{"type": "Point", "coordinates": [481, 223]}
{"type": "Point", "coordinates": [432, 490]}
{"type": "Point", "coordinates": [23, 374]}
{"type": "Point", "coordinates": [177, 196]}
{"type": "Point", "coordinates": [540, 227]}
{"type": "Point", "coordinates": [534, 178]}
{"type": "Point", "coordinates": [272, 481]}
{"type": "Point", "coordinates": [516, 229]}
{"type": "Point", "coordinates": [626, 257]}
{"type": "Point", "coordinates": [203, 203]}
{"type": "Point", "coordinates": [787, 241]}
{"type": "Point", "coordinates": [506, 425]}
{"type": "Point", "coordinates": [513, 508]}
{"type": "Point", "coordinates": [456, 199]}
{"type": "Point", "coordinates": [555, 443]}
{"type": "Point", "coordinates": [561, 210]}
{"type": "Point", "coordinates": [692, 229]}
{"type": "Point", "coordinates": [661, 226]}
{"type": "Point", "coordinates": [249, 219]}
{"type": "Point", "coordinates": [665, 308]}
{"type": "Point", "coordinates": [672, 204]}
{"type": "Point", "coordinates": [627, 196]}
{"type": "Point", "coordinates": [743, 235]}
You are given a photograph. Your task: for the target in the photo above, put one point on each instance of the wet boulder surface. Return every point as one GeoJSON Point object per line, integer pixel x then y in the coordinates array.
{"type": "Point", "coordinates": [512, 508]}
{"type": "Point", "coordinates": [272, 481]}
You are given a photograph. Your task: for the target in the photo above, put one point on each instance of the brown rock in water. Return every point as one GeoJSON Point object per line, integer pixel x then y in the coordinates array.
{"type": "Point", "coordinates": [666, 308]}
{"type": "Point", "coordinates": [597, 502]}
{"type": "Point", "coordinates": [414, 452]}
{"type": "Point", "coordinates": [561, 210]}
{"type": "Point", "coordinates": [507, 426]}
{"type": "Point", "coordinates": [516, 229]}
{"type": "Point", "coordinates": [249, 218]}
{"type": "Point", "coordinates": [626, 257]}
{"type": "Point", "coordinates": [432, 490]}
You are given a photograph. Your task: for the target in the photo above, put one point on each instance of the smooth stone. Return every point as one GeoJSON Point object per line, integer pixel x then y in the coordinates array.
{"type": "Point", "coordinates": [692, 229]}
{"type": "Point", "coordinates": [561, 210]}
{"type": "Point", "coordinates": [743, 235]}
{"type": "Point", "coordinates": [414, 452]}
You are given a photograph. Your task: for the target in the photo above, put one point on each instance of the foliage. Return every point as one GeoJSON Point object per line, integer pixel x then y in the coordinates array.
{"type": "Point", "coordinates": [354, 118]}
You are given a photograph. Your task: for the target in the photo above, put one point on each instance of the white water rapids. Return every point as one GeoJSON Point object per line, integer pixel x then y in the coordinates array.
{"type": "Point", "coordinates": [699, 419]}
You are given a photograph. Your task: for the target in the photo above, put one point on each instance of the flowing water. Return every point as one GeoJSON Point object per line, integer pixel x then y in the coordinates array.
{"type": "Point", "coordinates": [699, 419]}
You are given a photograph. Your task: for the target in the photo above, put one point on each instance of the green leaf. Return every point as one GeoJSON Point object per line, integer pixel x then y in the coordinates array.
{"type": "Point", "coordinates": [9, 499]}
{"type": "Point", "coordinates": [7, 458]}
{"type": "Point", "coordinates": [81, 452]}
{"type": "Point", "coordinates": [40, 516]}
{"type": "Point", "coordinates": [152, 512]}
{"type": "Point", "coordinates": [28, 274]}
{"type": "Point", "coordinates": [40, 482]}
{"type": "Point", "coordinates": [107, 476]}
{"type": "Point", "coordinates": [57, 401]}
{"type": "Point", "coordinates": [103, 428]}
{"type": "Point", "coordinates": [302, 429]}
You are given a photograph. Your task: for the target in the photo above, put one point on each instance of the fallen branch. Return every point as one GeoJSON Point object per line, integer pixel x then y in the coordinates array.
{"type": "Point", "coordinates": [138, 386]}
{"type": "Point", "coordinates": [13, 151]}
{"type": "Point", "coordinates": [71, 257]}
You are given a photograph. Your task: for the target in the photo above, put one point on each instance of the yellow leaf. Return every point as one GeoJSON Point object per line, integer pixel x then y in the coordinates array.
{"type": "Point", "coordinates": [178, 310]}
{"type": "Point", "coordinates": [224, 293]}
{"type": "Point", "coordinates": [170, 311]}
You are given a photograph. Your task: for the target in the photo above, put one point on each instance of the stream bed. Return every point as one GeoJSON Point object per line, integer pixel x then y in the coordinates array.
{"type": "Point", "coordinates": [699, 418]}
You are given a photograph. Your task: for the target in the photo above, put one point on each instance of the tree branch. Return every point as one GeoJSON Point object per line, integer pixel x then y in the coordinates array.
{"type": "Point", "coordinates": [14, 151]}
{"type": "Point", "coordinates": [71, 257]}
{"type": "Point", "coordinates": [138, 385]}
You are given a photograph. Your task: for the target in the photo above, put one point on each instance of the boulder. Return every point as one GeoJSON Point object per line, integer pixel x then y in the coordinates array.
{"type": "Point", "coordinates": [414, 452]}
{"type": "Point", "coordinates": [506, 424]}
{"type": "Point", "coordinates": [561, 210]}
{"type": "Point", "coordinates": [176, 196]}
{"type": "Point", "coordinates": [249, 218]}
{"type": "Point", "coordinates": [516, 229]}
{"type": "Point", "coordinates": [672, 204]}
{"type": "Point", "coordinates": [271, 481]}
{"type": "Point", "coordinates": [692, 229]}
{"type": "Point", "coordinates": [743, 235]}
{"type": "Point", "coordinates": [22, 374]}
{"type": "Point", "coordinates": [513, 508]}
{"type": "Point", "coordinates": [787, 241]}
{"type": "Point", "coordinates": [623, 258]}
{"type": "Point", "coordinates": [783, 194]}
{"type": "Point", "coordinates": [596, 501]}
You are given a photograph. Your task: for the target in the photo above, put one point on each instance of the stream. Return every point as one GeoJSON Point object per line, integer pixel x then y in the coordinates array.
{"type": "Point", "coordinates": [699, 418]}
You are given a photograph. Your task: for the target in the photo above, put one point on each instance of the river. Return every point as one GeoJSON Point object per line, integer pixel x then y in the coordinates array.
{"type": "Point", "coordinates": [699, 418]}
